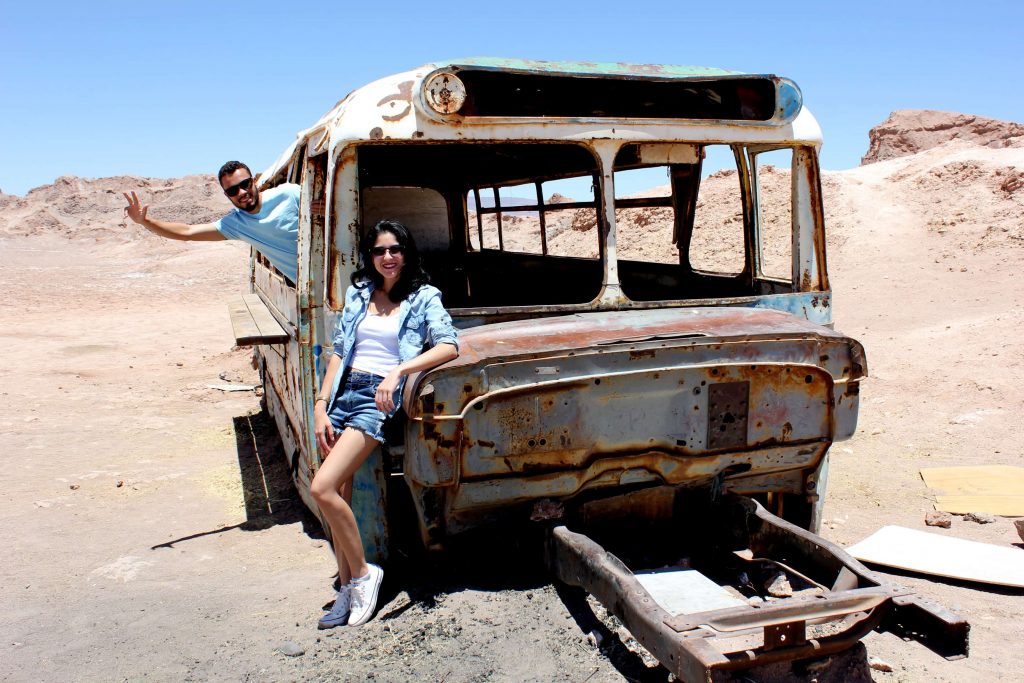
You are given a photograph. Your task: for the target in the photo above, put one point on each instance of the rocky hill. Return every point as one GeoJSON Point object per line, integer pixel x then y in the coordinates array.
{"type": "Point", "coordinates": [909, 131]}
{"type": "Point", "coordinates": [83, 208]}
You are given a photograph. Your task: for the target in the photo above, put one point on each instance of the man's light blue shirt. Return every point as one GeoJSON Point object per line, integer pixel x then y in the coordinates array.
{"type": "Point", "coordinates": [274, 231]}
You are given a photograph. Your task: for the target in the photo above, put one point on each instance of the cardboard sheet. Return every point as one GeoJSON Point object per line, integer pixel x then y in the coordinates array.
{"type": "Point", "coordinates": [998, 489]}
{"type": "Point", "coordinates": [686, 591]}
{"type": "Point", "coordinates": [956, 558]}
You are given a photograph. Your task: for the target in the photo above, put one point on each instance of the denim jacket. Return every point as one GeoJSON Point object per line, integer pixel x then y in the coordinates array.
{"type": "Point", "coordinates": [422, 320]}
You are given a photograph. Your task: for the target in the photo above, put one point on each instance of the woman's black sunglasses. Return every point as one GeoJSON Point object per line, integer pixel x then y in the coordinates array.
{"type": "Point", "coordinates": [394, 250]}
{"type": "Point", "coordinates": [235, 189]}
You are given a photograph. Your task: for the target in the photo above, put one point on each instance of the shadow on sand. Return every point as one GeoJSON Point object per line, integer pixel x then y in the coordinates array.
{"type": "Point", "coordinates": [269, 495]}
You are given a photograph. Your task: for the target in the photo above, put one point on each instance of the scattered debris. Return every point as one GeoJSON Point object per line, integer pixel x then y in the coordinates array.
{"type": "Point", "coordinates": [980, 517]}
{"type": "Point", "coordinates": [74, 487]}
{"type": "Point", "coordinates": [879, 664]}
{"type": "Point", "coordinates": [232, 387]}
{"type": "Point", "coordinates": [939, 519]}
{"type": "Point", "coordinates": [818, 665]}
{"type": "Point", "coordinates": [833, 523]}
{"type": "Point", "coordinates": [290, 649]}
{"type": "Point", "coordinates": [120, 483]}
{"type": "Point", "coordinates": [778, 586]}
{"type": "Point", "coordinates": [547, 509]}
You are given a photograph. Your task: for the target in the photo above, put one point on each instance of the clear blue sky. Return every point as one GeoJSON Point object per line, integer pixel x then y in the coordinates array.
{"type": "Point", "coordinates": [164, 89]}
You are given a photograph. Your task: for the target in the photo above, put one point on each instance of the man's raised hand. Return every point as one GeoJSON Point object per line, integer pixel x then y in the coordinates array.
{"type": "Point", "coordinates": [135, 209]}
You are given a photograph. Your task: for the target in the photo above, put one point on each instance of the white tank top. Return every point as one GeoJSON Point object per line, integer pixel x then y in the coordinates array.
{"type": "Point", "coordinates": [376, 344]}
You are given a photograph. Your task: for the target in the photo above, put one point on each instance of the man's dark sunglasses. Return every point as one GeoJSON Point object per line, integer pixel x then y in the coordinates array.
{"type": "Point", "coordinates": [394, 250]}
{"type": "Point", "coordinates": [235, 189]}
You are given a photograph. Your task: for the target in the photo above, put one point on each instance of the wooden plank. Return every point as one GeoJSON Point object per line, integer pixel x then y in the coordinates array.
{"type": "Point", "coordinates": [928, 553]}
{"type": "Point", "coordinates": [976, 479]}
{"type": "Point", "coordinates": [998, 489]}
{"type": "Point", "coordinates": [1005, 506]}
{"type": "Point", "coordinates": [253, 323]}
{"type": "Point", "coordinates": [265, 320]}
{"type": "Point", "coordinates": [242, 324]}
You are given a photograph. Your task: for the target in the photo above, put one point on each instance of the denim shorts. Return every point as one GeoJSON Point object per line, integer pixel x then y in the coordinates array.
{"type": "Point", "coordinates": [355, 407]}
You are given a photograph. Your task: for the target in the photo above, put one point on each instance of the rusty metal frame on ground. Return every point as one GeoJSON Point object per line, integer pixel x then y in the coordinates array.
{"type": "Point", "coordinates": [693, 646]}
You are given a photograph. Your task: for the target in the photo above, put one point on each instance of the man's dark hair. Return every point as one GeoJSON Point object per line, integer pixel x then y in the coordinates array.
{"type": "Point", "coordinates": [412, 276]}
{"type": "Point", "coordinates": [229, 168]}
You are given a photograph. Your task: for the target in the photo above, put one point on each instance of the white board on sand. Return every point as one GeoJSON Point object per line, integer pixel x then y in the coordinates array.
{"type": "Point", "coordinates": [956, 558]}
{"type": "Point", "coordinates": [685, 591]}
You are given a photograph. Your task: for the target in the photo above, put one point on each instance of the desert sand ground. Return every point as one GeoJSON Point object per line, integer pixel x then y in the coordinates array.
{"type": "Point", "coordinates": [151, 532]}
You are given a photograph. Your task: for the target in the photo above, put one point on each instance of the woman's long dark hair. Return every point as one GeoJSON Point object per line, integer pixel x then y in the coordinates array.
{"type": "Point", "coordinates": [412, 276]}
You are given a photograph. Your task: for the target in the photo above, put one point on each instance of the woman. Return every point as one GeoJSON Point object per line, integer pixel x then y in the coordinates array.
{"type": "Point", "coordinates": [390, 313]}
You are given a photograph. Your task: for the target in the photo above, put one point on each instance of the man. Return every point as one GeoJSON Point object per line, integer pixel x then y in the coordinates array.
{"type": "Point", "coordinates": [269, 220]}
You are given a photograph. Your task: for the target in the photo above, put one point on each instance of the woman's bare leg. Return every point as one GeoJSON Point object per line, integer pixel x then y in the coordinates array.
{"type": "Point", "coordinates": [344, 575]}
{"type": "Point", "coordinates": [349, 452]}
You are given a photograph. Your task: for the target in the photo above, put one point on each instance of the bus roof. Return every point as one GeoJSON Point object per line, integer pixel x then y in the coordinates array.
{"type": "Point", "coordinates": [593, 68]}
{"type": "Point", "coordinates": [404, 106]}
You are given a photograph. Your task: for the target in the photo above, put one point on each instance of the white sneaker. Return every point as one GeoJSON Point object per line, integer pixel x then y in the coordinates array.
{"type": "Point", "coordinates": [338, 616]}
{"type": "Point", "coordinates": [364, 595]}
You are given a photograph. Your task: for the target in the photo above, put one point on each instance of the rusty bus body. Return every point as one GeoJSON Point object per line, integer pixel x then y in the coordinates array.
{"type": "Point", "coordinates": [595, 380]}
{"type": "Point", "coordinates": [585, 370]}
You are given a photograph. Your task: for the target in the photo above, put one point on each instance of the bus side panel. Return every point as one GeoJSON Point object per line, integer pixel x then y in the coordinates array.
{"type": "Point", "coordinates": [273, 371]}
{"type": "Point", "coordinates": [282, 376]}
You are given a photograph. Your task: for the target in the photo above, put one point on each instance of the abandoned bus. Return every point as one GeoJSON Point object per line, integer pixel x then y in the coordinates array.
{"type": "Point", "coordinates": [613, 341]}
{"type": "Point", "coordinates": [635, 257]}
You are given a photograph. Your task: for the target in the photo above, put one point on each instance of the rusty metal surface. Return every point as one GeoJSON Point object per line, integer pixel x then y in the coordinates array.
{"type": "Point", "coordinates": [694, 646]}
{"type": "Point", "coordinates": [531, 412]}
{"type": "Point", "coordinates": [785, 635]}
{"type": "Point", "coordinates": [935, 627]}
{"type": "Point", "coordinates": [578, 561]}
{"type": "Point", "coordinates": [470, 502]}
{"type": "Point", "coordinates": [282, 367]}
{"type": "Point", "coordinates": [505, 357]}
{"type": "Point", "coordinates": [912, 616]}
{"type": "Point", "coordinates": [567, 424]}
{"type": "Point", "coordinates": [727, 414]}
{"type": "Point", "coordinates": [581, 330]}
{"type": "Point", "coordinates": [785, 611]}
